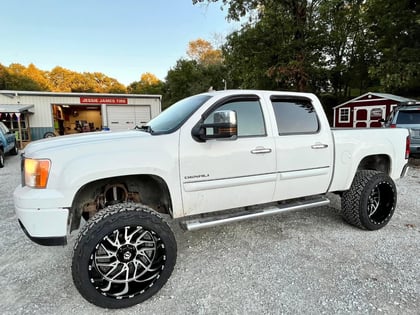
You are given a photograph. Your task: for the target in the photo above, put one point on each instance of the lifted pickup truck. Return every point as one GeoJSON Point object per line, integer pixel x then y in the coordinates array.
{"type": "Point", "coordinates": [209, 159]}
{"type": "Point", "coordinates": [7, 143]}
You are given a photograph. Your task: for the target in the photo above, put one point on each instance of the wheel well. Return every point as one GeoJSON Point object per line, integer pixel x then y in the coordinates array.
{"type": "Point", "coordinates": [149, 190]}
{"type": "Point", "coordinates": [380, 162]}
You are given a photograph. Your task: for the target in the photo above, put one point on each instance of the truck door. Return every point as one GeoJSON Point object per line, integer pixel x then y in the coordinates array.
{"type": "Point", "coordinates": [304, 149]}
{"type": "Point", "coordinates": [222, 174]}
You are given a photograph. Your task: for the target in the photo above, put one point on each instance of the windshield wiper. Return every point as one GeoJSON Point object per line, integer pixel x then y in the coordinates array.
{"type": "Point", "coordinates": [144, 128]}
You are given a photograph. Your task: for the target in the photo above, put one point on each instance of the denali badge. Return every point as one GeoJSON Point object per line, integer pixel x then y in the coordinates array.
{"type": "Point", "coordinates": [197, 176]}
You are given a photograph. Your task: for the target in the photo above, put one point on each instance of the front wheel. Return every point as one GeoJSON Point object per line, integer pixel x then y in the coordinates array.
{"type": "Point", "coordinates": [1, 158]}
{"type": "Point", "coordinates": [371, 200]}
{"type": "Point", "coordinates": [15, 150]}
{"type": "Point", "coordinates": [123, 255]}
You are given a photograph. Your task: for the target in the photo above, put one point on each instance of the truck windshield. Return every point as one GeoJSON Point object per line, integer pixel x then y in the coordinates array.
{"type": "Point", "coordinates": [173, 117]}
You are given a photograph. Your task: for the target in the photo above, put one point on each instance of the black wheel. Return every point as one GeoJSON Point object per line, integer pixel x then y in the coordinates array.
{"type": "Point", "coordinates": [49, 134]}
{"type": "Point", "coordinates": [1, 158]}
{"type": "Point", "coordinates": [123, 255]}
{"type": "Point", "coordinates": [370, 202]}
{"type": "Point", "coordinates": [14, 151]}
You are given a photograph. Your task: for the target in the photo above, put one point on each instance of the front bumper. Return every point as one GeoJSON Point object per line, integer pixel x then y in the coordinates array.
{"type": "Point", "coordinates": [45, 226]}
{"type": "Point", "coordinates": [46, 241]}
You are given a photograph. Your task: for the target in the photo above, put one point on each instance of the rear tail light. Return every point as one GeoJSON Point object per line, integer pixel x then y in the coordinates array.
{"type": "Point", "coordinates": [393, 126]}
{"type": "Point", "coordinates": [407, 147]}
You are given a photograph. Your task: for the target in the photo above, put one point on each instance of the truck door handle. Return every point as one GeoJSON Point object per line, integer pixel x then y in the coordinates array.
{"type": "Point", "coordinates": [319, 146]}
{"type": "Point", "coordinates": [261, 150]}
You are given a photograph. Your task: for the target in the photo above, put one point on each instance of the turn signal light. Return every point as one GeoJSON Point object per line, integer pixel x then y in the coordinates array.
{"type": "Point", "coordinates": [36, 172]}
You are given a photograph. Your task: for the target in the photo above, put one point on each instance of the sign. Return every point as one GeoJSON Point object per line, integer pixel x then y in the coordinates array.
{"type": "Point", "coordinates": [103, 100]}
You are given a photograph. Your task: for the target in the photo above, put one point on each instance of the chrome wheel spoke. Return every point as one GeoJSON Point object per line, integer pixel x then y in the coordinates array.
{"type": "Point", "coordinates": [373, 201]}
{"type": "Point", "coordinates": [127, 262]}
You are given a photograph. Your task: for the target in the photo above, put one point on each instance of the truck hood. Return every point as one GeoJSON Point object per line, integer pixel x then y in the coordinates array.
{"type": "Point", "coordinates": [62, 142]}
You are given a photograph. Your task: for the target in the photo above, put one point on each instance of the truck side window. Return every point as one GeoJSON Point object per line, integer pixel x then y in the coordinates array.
{"type": "Point", "coordinates": [249, 115]}
{"type": "Point", "coordinates": [295, 116]}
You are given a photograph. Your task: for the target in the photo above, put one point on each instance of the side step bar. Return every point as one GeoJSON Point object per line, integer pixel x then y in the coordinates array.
{"type": "Point", "coordinates": [206, 222]}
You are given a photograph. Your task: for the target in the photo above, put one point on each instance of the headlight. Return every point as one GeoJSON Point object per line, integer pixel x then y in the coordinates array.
{"type": "Point", "coordinates": [36, 172]}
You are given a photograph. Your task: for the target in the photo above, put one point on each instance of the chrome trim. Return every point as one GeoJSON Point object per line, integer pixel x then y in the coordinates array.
{"type": "Point", "coordinates": [196, 224]}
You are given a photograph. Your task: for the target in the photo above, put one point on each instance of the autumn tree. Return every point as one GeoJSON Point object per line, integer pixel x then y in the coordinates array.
{"type": "Point", "coordinates": [64, 80]}
{"type": "Point", "coordinates": [203, 71]}
{"type": "Point", "coordinates": [16, 77]}
{"type": "Point", "coordinates": [203, 52]}
{"type": "Point", "coordinates": [148, 84]}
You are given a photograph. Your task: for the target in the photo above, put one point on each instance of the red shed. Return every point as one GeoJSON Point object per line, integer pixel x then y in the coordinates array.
{"type": "Point", "coordinates": [366, 110]}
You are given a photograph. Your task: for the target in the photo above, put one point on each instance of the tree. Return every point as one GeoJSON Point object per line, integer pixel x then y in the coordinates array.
{"type": "Point", "coordinates": [38, 76]}
{"type": "Point", "coordinates": [279, 48]}
{"type": "Point", "coordinates": [148, 84]}
{"type": "Point", "coordinates": [345, 47]}
{"type": "Point", "coordinates": [203, 52]}
{"type": "Point", "coordinates": [394, 30]}
{"type": "Point", "coordinates": [203, 71]}
{"type": "Point", "coordinates": [188, 77]}
{"type": "Point", "coordinates": [104, 84]}
{"type": "Point", "coordinates": [15, 77]}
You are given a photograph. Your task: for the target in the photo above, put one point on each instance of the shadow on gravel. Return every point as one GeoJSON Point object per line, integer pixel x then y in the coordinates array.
{"type": "Point", "coordinates": [414, 162]}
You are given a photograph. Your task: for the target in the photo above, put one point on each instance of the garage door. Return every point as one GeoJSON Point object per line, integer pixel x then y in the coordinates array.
{"type": "Point", "coordinates": [127, 117]}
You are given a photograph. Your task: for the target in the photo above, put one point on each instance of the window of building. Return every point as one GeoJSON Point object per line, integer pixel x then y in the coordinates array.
{"type": "Point", "coordinates": [295, 116]}
{"type": "Point", "coordinates": [344, 115]}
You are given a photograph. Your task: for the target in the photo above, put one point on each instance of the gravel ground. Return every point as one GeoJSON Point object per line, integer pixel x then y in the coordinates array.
{"type": "Point", "coordinates": [307, 262]}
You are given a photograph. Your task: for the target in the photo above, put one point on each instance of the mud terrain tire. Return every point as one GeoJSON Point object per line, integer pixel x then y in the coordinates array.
{"type": "Point", "coordinates": [370, 202]}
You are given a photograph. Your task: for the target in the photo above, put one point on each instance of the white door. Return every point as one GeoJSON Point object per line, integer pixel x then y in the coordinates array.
{"type": "Point", "coordinates": [223, 174]}
{"type": "Point", "coordinates": [304, 150]}
{"type": "Point", "coordinates": [125, 117]}
{"type": "Point", "coordinates": [368, 117]}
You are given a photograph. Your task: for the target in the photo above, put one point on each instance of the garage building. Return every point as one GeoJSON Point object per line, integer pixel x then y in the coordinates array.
{"type": "Point", "coordinates": [35, 115]}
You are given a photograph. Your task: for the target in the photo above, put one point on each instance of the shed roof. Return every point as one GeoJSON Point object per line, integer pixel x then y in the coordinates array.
{"type": "Point", "coordinates": [14, 108]}
{"type": "Point", "coordinates": [387, 96]}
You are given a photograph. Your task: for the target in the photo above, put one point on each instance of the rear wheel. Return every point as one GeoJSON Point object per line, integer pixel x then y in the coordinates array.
{"type": "Point", "coordinates": [123, 256]}
{"type": "Point", "coordinates": [370, 202]}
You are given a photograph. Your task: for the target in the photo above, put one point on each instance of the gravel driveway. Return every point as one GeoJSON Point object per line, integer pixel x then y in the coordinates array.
{"type": "Point", "coordinates": [306, 262]}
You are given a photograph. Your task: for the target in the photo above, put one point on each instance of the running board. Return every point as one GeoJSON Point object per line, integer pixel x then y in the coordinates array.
{"type": "Point", "coordinates": [200, 223]}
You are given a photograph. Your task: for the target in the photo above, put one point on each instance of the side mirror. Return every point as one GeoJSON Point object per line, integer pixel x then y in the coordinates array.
{"type": "Point", "coordinates": [224, 126]}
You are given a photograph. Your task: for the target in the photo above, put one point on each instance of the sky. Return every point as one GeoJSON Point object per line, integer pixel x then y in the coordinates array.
{"type": "Point", "coordinates": [120, 38]}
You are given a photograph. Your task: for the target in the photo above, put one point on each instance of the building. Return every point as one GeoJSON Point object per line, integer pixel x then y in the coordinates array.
{"type": "Point", "coordinates": [36, 115]}
{"type": "Point", "coordinates": [366, 111]}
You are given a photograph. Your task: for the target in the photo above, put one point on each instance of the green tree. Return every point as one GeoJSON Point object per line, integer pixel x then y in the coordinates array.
{"type": "Point", "coordinates": [204, 71]}
{"type": "Point", "coordinates": [148, 84]}
{"type": "Point", "coordinates": [279, 48]}
{"type": "Point", "coordinates": [394, 28]}
{"type": "Point", "coordinates": [189, 77]}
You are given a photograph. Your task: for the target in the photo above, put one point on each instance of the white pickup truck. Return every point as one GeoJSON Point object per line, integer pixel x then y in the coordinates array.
{"type": "Point", "coordinates": [209, 159]}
